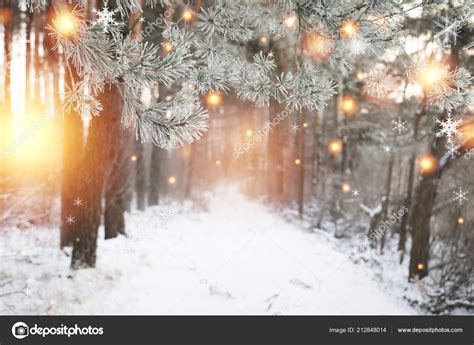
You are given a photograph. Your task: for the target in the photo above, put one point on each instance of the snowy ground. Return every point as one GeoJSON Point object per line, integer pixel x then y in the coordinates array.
{"type": "Point", "coordinates": [237, 258]}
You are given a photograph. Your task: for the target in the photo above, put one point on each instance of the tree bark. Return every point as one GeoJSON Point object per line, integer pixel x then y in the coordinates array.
{"type": "Point", "coordinates": [93, 170]}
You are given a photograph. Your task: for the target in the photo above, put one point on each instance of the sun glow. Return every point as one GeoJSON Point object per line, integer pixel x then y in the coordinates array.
{"type": "Point", "coordinates": [433, 75]}
{"type": "Point", "coordinates": [66, 23]}
{"type": "Point", "coordinates": [349, 28]}
{"type": "Point", "coordinates": [427, 164]}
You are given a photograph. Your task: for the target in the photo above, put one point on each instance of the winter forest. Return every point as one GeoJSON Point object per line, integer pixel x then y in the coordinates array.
{"type": "Point", "coordinates": [236, 157]}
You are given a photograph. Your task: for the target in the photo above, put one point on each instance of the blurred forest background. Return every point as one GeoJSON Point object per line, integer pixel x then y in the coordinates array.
{"type": "Point", "coordinates": [346, 168]}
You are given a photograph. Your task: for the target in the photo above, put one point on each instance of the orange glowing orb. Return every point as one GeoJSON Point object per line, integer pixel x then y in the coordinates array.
{"type": "Point", "coordinates": [66, 23]}
{"type": "Point", "coordinates": [249, 132]}
{"type": "Point", "coordinates": [420, 266]}
{"type": "Point", "coordinates": [346, 187]}
{"type": "Point", "coordinates": [305, 125]}
{"type": "Point", "coordinates": [348, 105]}
{"type": "Point", "coordinates": [297, 161]}
{"type": "Point", "coordinates": [433, 75]}
{"type": "Point", "coordinates": [214, 99]}
{"type": "Point", "coordinates": [461, 221]}
{"type": "Point", "coordinates": [427, 164]}
{"type": "Point", "coordinates": [290, 21]}
{"type": "Point", "coordinates": [171, 180]}
{"type": "Point", "coordinates": [133, 158]}
{"type": "Point", "coordinates": [360, 75]}
{"type": "Point", "coordinates": [263, 40]}
{"type": "Point", "coordinates": [218, 162]}
{"type": "Point", "coordinates": [168, 47]}
{"type": "Point", "coordinates": [335, 146]}
{"type": "Point", "coordinates": [349, 28]}
{"type": "Point", "coordinates": [187, 14]}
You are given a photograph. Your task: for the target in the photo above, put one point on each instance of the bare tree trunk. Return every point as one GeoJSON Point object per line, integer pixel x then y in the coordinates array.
{"type": "Point", "coordinates": [140, 176]}
{"type": "Point", "coordinates": [155, 177]}
{"type": "Point", "coordinates": [275, 157]}
{"type": "Point", "coordinates": [118, 184]}
{"type": "Point", "coordinates": [94, 168]}
{"type": "Point", "coordinates": [301, 167]}
{"type": "Point", "coordinates": [425, 193]}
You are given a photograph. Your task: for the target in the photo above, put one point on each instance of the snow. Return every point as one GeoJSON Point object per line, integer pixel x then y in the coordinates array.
{"type": "Point", "coordinates": [236, 258]}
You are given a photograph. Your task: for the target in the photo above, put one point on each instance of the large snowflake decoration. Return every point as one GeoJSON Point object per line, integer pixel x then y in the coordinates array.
{"type": "Point", "coordinates": [400, 125]}
{"type": "Point", "coordinates": [461, 196]}
{"type": "Point", "coordinates": [449, 29]}
{"type": "Point", "coordinates": [105, 17]}
{"type": "Point", "coordinates": [449, 128]}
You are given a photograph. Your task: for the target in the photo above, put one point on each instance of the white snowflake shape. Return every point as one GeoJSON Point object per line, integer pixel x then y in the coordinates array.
{"type": "Point", "coordinates": [452, 149]}
{"type": "Point", "coordinates": [78, 202]}
{"type": "Point", "coordinates": [449, 128]}
{"type": "Point", "coordinates": [387, 149]}
{"type": "Point", "coordinates": [449, 29]}
{"type": "Point", "coordinates": [461, 196]}
{"type": "Point", "coordinates": [355, 193]}
{"type": "Point", "coordinates": [295, 128]}
{"type": "Point", "coordinates": [70, 220]}
{"type": "Point", "coordinates": [399, 125]}
{"type": "Point", "coordinates": [105, 17]}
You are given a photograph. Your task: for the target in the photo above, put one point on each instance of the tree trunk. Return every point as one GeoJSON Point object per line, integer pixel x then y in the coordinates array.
{"type": "Point", "coordinates": [118, 182]}
{"type": "Point", "coordinates": [425, 194]}
{"type": "Point", "coordinates": [73, 141]}
{"type": "Point", "coordinates": [155, 174]}
{"type": "Point", "coordinates": [93, 170]}
{"type": "Point", "coordinates": [275, 157]}
{"type": "Point", "coordinates": [301, 167]}
{"type": "Point", "coordinates": [140, 176]}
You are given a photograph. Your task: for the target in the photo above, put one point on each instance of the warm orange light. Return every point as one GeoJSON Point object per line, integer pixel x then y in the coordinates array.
{"type": "Point", "coordinates": [66, 23]}
{"type": "Point", "coordinates": [188, 14]}
{"type": "Point", "coordinates": [218, 162]}
{"type": "Point", "coordinates": [297, 161]}
{"type": "Point", "coordinates": [346, 187]}
{"type": "Point", "coordinates": [433, 75]}
{"type": "Point", "coordinates": [263, 40]}
{"type": "Point", "coordinates": [214, 99]}
{"type": "Point", "coordinates": [420, 266]}
{"type": "Point", "coordinates": [249, 132]}
{"type": "Point", "coordinates": [168, 47]}
{"type": "Point", "coordinates": [427, 164]}
{"type": "Point", "coordinates": [133, 158]}
{"type": "Point", "coordinates": [360, 75]}
{"type": "Point", "coordinates": [319, 45]}
{"type": "Point", "coordinates": [335, 146]}
{"type": "Point", "coordinates": [171, 180]}
{"type": "Point", "coordinates": [349, 28]}
{"type": "Point", "coordinates": [290, 21]}
{"type": "Point", "coordinates": [305, 125]}
{"type": "Point", "coordinates": [348, 105]}
{"type": "Point", "coordinates": [460, 220]}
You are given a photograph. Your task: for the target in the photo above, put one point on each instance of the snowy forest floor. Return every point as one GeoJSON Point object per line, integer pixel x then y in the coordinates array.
{"type": "Point", "coordinates": [237, 257]}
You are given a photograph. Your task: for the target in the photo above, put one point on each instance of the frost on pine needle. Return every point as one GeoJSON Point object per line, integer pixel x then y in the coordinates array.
{"type": "Point", "coordinates": [77, 98]}
{"type": "Point", "coordinates": [378, 84]}
{"type": "Point", "coordinates": [172, 123]}
{"type": "Point", "coordinates": [453, 92]}
{"type": "Point", "coordinates": [308, 89]}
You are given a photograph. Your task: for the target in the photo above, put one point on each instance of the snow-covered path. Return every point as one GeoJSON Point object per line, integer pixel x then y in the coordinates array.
{"type": "Point", "coordinates": [238, 258]}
